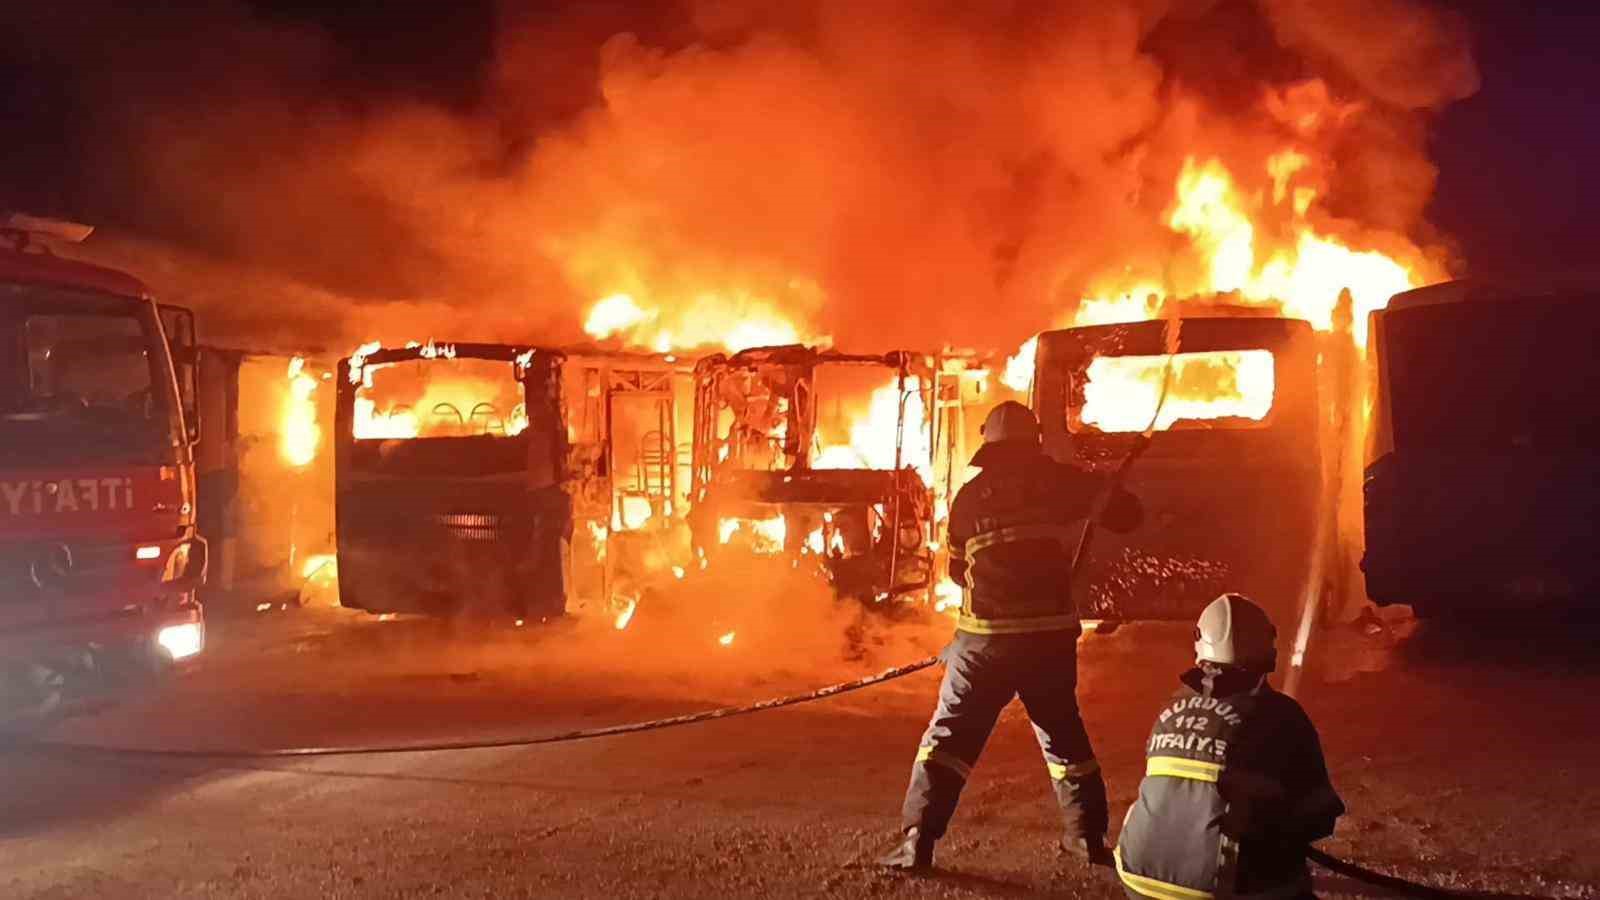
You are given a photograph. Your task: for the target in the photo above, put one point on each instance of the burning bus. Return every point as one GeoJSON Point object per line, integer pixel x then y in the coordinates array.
{"type": "Point", "coordinates": [1479, 492]}
{"type": "Point", "coordinates": [629, 425]}
{"type": "Point", "coordinates": [99, 556]}
{"type": "Point", "coordinates": [449, 468]}
{"type": "Point", "coordinates": [818, 456]}
{"type": "Point", "coordinates": [1232, 477]}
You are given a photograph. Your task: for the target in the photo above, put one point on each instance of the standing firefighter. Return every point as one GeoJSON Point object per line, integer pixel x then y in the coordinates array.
{"type": "Point", "coordinates": [1235, 784]}
{"type": "Point", "coordinates": [1013, 531]}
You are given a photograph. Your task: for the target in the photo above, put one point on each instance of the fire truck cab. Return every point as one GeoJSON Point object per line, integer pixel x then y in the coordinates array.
{"type": "Point", "coordinates": [99, 556]}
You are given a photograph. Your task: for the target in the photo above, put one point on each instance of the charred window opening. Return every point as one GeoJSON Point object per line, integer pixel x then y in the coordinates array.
{"type": "Point", "coordinates": [1218, 389]}
{"type": "Point", "coordinates": [453, 409]}
{"type": "Point", "coordinates": [439, 398]}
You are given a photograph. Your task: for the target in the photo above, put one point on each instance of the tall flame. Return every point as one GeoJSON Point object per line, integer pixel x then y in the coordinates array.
{"type": "Point", "coordinates": [873, 434]}
{"type": "Point", "coordinates": [301, 435]}
{"type": "Point", "coordinates": [1301, 277]}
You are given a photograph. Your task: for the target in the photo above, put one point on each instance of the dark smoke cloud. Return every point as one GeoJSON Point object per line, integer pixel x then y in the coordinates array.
{"type": "Point", "coordinates": [910, 172]}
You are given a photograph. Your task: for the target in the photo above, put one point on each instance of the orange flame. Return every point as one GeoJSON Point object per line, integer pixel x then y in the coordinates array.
{"type": "Point", "coordinates": [1122, 392]}
{"type": "Point", "coordinates": [1301, 276]}
{"type": "Point", "coordinates": [301, 433]}
{"type": "Point", "coordinates": [766, 536]}
{"type": "Point", "coordinates": [873, 434]}
{"type": "Point", "coordinates": [732, 322]}
{"type": "Point", "coordinates": [444, 399]}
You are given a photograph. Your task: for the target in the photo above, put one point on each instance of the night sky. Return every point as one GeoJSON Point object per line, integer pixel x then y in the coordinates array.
{"type": "Point", "coordinates": [1516, 193]}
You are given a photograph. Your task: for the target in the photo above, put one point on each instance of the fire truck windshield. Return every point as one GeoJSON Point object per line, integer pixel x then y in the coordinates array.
{"type": "Point", "coordinates": [84, 377]}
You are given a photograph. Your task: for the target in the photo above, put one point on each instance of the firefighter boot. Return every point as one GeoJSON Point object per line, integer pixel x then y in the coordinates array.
{"type": "Point", "coordinates": [914, 851]}
{"type": "Point", "coordinates": [1086, 851]}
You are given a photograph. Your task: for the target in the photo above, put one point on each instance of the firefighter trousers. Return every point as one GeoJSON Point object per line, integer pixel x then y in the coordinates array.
{"type": "Point", "coordinates": [983, 673]}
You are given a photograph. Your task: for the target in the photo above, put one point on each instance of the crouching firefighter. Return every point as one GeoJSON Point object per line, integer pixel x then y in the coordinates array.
{"type": "Point", "coordinates": [1235, 785]}
{"type": "Point", "coordinates": [1013, 532]}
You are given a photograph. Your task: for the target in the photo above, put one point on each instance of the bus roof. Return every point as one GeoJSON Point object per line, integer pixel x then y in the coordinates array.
{"type": "Point", "coordinates": [1468, 290]}
{"type": "Point", "coordinates": [46, 268]}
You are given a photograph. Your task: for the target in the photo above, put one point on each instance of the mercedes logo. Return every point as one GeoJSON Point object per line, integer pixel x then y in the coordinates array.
{"type": "Point", "coordinates": [53, 564]}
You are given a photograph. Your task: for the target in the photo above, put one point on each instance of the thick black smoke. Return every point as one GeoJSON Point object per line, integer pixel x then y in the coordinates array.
{"type": "Point", "coordinates": [917, 172]}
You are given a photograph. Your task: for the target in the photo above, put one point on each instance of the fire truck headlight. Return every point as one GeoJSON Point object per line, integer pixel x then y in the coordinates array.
{"type": "Point", "coordinates": [182, 641]}
{"type": "Point", "coordinates": [148, 552]}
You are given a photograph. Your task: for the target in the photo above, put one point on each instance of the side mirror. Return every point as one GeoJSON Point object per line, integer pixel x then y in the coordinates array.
{"type": "Point", "coordinates": [182, 343]}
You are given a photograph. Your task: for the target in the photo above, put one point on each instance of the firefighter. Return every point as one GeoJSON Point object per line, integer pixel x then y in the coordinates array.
{"type": "Point", "coordinates": [1013, 532]}
{"type": "Point", "coordinates": [1235, 785]}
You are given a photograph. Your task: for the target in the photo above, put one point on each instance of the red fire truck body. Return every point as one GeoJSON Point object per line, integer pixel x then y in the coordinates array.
{"type": "Point", "coordinates": [99, 557]}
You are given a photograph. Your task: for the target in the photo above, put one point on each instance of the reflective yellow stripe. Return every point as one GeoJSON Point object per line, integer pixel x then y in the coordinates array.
{"type": "Point", "coordinates": [1150, 887]}
{"type": "Point", "coordinates": [1017, 533]}
{"type": "Point", "coordinates": [974, 625]}
{"type": "Point", "coordinates": [949, 761]}
{"type": "Point", "coordinates": [1063, 771]}
{"type": "Point", "coordinates": [1178, 767]}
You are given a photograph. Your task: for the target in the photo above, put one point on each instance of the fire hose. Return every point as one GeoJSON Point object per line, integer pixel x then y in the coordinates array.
{"type": "Point", "coordinates": [1334, 864]}
{"type": "Point", "coordinates": [832, 690]}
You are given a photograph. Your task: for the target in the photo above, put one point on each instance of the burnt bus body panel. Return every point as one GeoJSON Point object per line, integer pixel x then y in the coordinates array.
{"type": "Point", "coordinates": [1479, 492]}
{"type": "Point", "coordinates": [1225, 508]}
{"type": "Point", "coordinates": [441, 526]}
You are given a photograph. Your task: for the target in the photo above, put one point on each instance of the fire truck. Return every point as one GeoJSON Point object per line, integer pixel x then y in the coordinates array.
{"type": "Point", "coordinates": [100, 561]}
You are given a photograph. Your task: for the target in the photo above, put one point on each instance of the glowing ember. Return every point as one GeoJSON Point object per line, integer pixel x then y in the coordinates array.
{"type": "Point", "coordinates": [727, 639]}
{"type": "Point", "coordinates": [766, 536]}
{"type": "Point", "coordinates": [1122, 391]}
{"type": "Point", "coordinates": [301, 434]}
{"type": "Point", "coordinates": [626, 615]}
{"type": "Point", "coordinates": [825, 540]}
{"type": "Point", "coordinates": [678, 572]}
{"type": "Point", "coordinates": [947, 596]}
{"type": "Point", "coordinates": [633, 513]}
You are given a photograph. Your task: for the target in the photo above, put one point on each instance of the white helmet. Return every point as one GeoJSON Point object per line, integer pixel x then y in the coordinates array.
{"type": "Point", "coordinates": [1233, 631]}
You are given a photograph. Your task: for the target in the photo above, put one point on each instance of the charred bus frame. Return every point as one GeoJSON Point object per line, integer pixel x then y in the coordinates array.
{"type": "Point", "coordinates": [876, 525]}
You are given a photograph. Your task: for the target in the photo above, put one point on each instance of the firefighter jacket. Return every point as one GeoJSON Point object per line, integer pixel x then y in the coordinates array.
{"type": "Point", "coordinates": [1013, 532]}
{"type": "Point", "coordinates": [1235, 787]}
